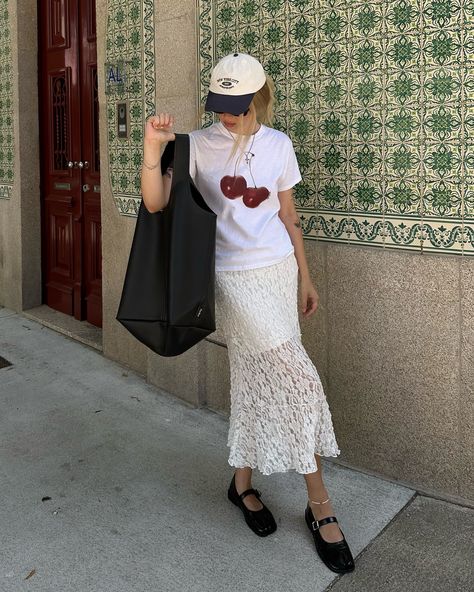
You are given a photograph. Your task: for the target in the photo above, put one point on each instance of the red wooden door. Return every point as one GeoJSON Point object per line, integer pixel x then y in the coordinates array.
{"type": "Point", "coordinates": [70, 167]}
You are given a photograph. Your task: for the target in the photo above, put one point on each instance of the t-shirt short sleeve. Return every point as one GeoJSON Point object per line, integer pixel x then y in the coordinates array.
{"type": "Point", "coordinates": [290, 175]}
{"type": "Point", "coordinates": [192, 158]}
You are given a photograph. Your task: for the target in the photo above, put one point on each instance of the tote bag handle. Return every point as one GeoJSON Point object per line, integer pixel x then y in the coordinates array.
{"type": "Point", "coordinates": [177, 150]}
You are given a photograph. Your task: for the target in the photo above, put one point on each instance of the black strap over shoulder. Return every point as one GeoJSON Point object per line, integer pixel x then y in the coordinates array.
{"type": "Point", "coordinates": [177, 153]}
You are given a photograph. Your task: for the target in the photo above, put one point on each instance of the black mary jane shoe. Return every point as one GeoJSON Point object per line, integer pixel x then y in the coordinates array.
{"type": "Point", "coordinates": [260, 521]}
{"type": "Point", "coordinates": [336, 556]}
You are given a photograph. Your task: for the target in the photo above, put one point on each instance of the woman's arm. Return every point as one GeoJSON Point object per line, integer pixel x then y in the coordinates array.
{"type": "Point", "coordinates": [155, 187]}
{"type": "Point", "coordinates": [309, 296]}
{"type": "Point", "coordinates": [290, 218]}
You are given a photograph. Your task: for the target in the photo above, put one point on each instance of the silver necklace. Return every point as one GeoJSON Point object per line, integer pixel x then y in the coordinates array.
{"type": "Point", "coordinates": [247, 153]}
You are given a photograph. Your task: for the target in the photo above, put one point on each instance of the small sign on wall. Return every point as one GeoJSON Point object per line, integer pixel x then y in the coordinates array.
{"type": "Point", "coordinates": [116, 77]}
{"type": "Point", "coordinates": [5, 191]}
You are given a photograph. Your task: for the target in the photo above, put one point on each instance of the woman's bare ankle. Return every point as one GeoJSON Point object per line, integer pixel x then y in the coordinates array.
{"type": "Point", "coordinates": [243, 478]}
{"type": "Point", "coordinates": [243, 481]}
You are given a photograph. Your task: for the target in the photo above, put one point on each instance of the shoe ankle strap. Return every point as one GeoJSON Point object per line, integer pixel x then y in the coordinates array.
{"type": "Point", "coordinates": [256, 492]}
{"type": "Point", "coordinates": [323, 521]}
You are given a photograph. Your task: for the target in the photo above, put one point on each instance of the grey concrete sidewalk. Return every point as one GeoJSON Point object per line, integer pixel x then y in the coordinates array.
{"type": "Point", "coordinates": [136, 484]}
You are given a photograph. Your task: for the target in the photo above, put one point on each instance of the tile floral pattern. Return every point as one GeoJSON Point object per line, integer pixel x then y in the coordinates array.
{"type": "Point", "coordinates": [130, 43]}
{"type": "Point", "coordinates": [378, 98]}
{"type": "Point", "coordinates": [6, 105]}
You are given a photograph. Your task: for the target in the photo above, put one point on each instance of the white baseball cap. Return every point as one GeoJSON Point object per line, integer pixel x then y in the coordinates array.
{"type": "Point", "coordinates": [234, 81]}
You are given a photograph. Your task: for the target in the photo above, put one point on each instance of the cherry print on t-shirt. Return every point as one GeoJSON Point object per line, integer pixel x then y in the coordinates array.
{"type": "Point", "coordinates": [236, 186]}
{"type": "Point", "coordinates": [253, 196]}
{"type": "Point", "coordinates": [233, 187]}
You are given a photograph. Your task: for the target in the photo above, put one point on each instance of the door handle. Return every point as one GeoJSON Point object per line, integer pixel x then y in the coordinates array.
{"type": "Point", "coordinates": [78, 164]}
{"type": "Point", "coordinates": [86, 187]}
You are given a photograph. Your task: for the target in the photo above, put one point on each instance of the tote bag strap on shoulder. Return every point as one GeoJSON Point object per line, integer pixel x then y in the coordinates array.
{"type": "Point", "coordinates": [178, 151]}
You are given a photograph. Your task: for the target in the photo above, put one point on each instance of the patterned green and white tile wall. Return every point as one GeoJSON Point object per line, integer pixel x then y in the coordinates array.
{"type": "Point", "coordinates": [6, 105]}
{"type": "Point", "coordinates": [378, 98]}
{"type": "Point", "coordinates": [130, 46]}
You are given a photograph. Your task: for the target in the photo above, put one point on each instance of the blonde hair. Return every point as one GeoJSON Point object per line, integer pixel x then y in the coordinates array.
{"type": "Point", "coordinates": [261, 109]}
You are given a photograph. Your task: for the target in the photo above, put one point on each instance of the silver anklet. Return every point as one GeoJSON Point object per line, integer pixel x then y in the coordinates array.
{"type": "Point", "coordinates": [313, 502]}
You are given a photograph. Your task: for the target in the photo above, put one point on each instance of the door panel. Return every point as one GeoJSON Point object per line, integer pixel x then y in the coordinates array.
{"type": "Point", "coordinates": [70, 167]}
{"type": "Point", "coordinates": [90, 152]}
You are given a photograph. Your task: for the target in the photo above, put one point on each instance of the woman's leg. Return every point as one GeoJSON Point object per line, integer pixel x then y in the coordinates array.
{"type": "Point", "coordinates": [243, 481]}
{"type": "Point", "coordinates": [317, 492]}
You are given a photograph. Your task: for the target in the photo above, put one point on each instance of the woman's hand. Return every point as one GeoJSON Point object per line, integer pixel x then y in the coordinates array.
{"type": "Point", "coordinates": [158, 128]}
{"type": "Point", "coordinates": [309, 297]}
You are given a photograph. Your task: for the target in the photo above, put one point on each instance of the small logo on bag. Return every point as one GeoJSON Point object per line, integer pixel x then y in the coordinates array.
{"type": "Point", "coordinates": [198, 314]}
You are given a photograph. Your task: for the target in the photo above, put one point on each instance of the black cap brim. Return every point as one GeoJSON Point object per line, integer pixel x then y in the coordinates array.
{"type": "Point", "coordinates": [227, 103]}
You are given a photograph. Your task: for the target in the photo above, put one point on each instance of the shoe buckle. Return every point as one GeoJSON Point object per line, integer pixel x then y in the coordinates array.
{"type": "Point", "coordinates": [313, 523]}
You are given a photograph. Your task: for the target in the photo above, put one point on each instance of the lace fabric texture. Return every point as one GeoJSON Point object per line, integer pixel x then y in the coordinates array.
{"type": "Point", "coordinates": [279, 413]}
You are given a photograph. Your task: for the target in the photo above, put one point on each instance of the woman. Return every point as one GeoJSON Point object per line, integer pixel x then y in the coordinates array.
{"type": "Point", "coordinates": [245, 170]}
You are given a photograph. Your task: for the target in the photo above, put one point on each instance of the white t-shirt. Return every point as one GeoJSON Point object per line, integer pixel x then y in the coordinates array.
{"type": "Point", "coordinates": [246, 237]}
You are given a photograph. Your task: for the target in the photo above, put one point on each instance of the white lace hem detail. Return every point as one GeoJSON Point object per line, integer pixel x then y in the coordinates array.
{"type": "Point", "coordinates": [279, 414]}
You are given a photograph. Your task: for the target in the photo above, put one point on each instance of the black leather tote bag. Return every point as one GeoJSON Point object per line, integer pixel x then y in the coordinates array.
{"type": "Point", "coordinates": [167, 299]}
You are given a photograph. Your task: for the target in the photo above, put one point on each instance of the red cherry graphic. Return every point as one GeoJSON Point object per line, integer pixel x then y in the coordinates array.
{"type": "Point", "coordinates": [233, 187]}
{"type": "Point", "coordinates": [253, 196]}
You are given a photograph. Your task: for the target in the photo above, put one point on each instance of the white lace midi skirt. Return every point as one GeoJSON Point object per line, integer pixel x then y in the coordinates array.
{"type": "Point", "coordinates": [279, 414]}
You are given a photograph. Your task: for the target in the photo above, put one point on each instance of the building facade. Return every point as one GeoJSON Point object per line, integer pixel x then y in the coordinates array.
{"type": "Point", "coordinates": [378, 99]}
